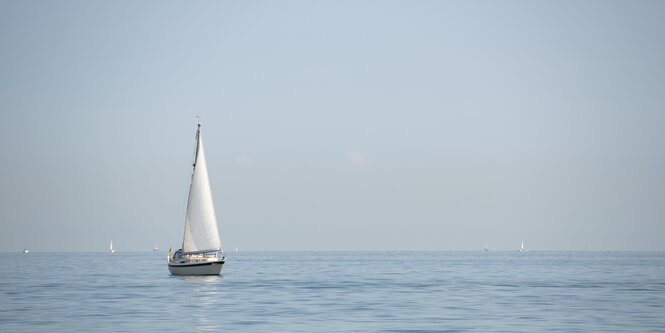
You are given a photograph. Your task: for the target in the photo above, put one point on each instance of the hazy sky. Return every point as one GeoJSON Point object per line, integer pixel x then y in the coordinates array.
{"type": "Point", "coordinates": [334, 125]}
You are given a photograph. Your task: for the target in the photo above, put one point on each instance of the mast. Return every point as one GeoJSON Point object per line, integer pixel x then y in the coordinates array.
{"type": "Point", "coordinates": [196, 150]}
{"type": "Point", "coordinates": [191, 180]}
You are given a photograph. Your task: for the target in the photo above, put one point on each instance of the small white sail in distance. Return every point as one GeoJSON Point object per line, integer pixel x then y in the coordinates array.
{"type": "Point", "coordinates": [111, 249]}
{"type": "Point", "coordinates": [201, 232]}
{"type": "Point", "coordinates": [522, 249]}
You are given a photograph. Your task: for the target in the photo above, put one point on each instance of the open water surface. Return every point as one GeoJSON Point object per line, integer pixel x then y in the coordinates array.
{"type": "Point", "coordinates": [336, 291]}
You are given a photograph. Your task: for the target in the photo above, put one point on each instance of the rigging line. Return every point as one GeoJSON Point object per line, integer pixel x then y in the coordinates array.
{"type": "Point", "coordinates": [196, 150]}
{"type": "Point", "coordinates": [183, 214]}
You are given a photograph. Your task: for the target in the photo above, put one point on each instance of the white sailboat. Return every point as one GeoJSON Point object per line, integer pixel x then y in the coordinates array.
{"type": "Point", "coordinates": [486, 248]}
{"type": "Point", "coordinates": [201, 252]}
{"type": "Point", "coordinates": [26, 250]}
{"type": "Point", "coordinates": [111, 249]}
{"type": "Point", "coordinates": [155, 248]}
{"type": "Point", "coordinates": [522, 249]}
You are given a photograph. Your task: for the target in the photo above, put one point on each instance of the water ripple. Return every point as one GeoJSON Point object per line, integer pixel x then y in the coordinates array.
{"type": "Point", "coordinates": [337, 291]}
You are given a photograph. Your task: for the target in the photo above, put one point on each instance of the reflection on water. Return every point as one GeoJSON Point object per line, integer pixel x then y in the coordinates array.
{"type": "Point", "coordinates": [200, 279]}
{"type": "Point", "coordinates": [204, 296]}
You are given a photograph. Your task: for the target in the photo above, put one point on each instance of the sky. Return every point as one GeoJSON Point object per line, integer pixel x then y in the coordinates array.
{"type": "Point", "coordinates": [334, 125]}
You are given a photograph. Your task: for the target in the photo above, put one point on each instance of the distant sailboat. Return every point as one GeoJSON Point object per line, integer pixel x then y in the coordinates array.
{"type": "Point", "coordinates": [201, 252]}
{"type": "Point", "coordinates": [26, 250]}
{"type": "Point", "coordinates": [486, 248]}
{"type": "Point", "coordinates": [236, 249]}
{"type": "Point", "coordinates": [522, 249]}
{"type": "Point", "coordinates": [155, 248]}
{"type": "Point", "coordinates": [111, 249]}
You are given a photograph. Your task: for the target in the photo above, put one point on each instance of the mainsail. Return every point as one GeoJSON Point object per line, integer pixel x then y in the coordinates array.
{"type": "Point", "coordinates": [201, 233]}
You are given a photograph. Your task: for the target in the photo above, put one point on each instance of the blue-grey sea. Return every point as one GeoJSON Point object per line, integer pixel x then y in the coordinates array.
{"type": "Point", "coordinates": [504, 291]}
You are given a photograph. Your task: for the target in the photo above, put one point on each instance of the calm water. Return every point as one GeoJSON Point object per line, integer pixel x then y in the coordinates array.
{"type": "Point", "coordinates": [336, 291]}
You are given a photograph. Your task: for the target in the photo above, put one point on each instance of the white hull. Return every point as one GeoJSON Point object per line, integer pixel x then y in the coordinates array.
{"type": "Point", "coordinates": [208, 268]}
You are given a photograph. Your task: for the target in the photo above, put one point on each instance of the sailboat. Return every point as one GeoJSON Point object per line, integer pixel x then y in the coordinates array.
{"type": "Point", "coordinates": [522, 249]}
{"type": "Point", "coordinates": [111, 249]}
{"type": "Point", "coordinates": [201, 252]}
{"type": "Point", "coordinates": [155, 248]}
{"type": "Point", "coordinates": [26, 250]}
{"type": "Point", "coordinates": [486, 248]}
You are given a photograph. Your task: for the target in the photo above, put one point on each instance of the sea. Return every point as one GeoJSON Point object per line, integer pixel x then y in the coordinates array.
{"type": "Point", "coordinates": [457, 291]}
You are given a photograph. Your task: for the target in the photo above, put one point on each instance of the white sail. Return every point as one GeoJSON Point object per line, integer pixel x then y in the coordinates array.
{"type": "Point", "coordinates": [201, 233]}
